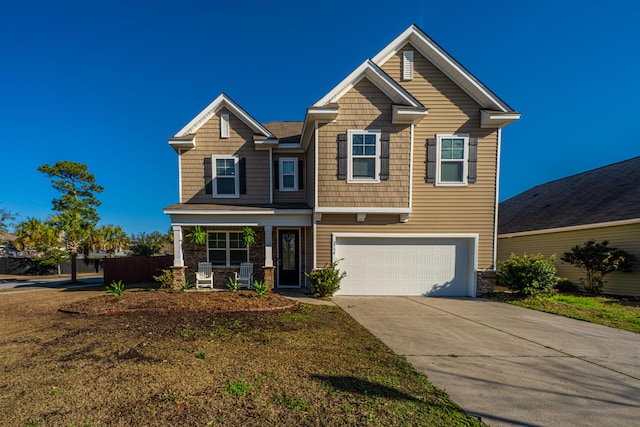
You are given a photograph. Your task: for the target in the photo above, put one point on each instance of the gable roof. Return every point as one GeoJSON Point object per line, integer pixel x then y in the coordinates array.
{"type": "Point", "coordinates": [222, 101]}
{"type": "Point", "coordinates": [609, 193]}
{"type": "Point", "coordinates": [375, 75]}
{"type": "Point", "coordinates": [445, 63]}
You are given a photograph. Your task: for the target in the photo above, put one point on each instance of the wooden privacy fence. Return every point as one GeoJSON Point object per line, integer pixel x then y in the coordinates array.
{"type": "Point", "coordinates": [135, 269]}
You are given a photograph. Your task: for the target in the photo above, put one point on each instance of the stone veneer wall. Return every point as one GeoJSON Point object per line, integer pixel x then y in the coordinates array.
{"type": "Point", "coordinates": [486, 282]}
{"type": "Point", "coordinates": [193, 254]}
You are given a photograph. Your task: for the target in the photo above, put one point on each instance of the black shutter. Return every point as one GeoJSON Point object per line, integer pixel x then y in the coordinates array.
{"type": "Point", "coordinates": [276, 174]}
{"type": "Point", "coordinates": [473, 160]}
{"type": "Point", "coordinates": [300, 174]}
{"type": "Point", "coordinates": [208, 172]}
{"type": "Point", "coordinates": [342, 156]}
{"type": "Point", "coordinates": [384, 156]}
{"type": "Point", "coordinates": [431, 159]}
{"type": "Point", "coordinates": [243, 175]}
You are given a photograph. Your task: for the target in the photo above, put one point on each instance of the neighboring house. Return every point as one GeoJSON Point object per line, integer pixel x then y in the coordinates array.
{"type": "Point", "coordinates": [393, 172]}
{"type": "Point", "coordinates": [600, 204]}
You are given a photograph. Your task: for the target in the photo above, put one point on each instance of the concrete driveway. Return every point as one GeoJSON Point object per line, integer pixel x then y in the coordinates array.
{"type": "Point", "coordinates": [509, 365]}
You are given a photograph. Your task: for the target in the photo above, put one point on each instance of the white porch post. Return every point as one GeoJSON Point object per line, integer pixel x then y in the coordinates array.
{"type": "Point", "coordinates": [178, 260]}
{"type": "Point", "coordinates": [268, 246]}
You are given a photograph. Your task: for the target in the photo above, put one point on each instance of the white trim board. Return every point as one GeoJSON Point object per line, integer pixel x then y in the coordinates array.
{"type": "Point", "coordinates": [445, 63]}
{"type": "Point", "coordinates": [223, 101]}
{"type": "Point", "coordinates": [571, 228]}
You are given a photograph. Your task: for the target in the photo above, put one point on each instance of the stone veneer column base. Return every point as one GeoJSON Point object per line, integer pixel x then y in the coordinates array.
{"type": "Point", "coordinates": [269, 276]}
{"type": "Point", "coordinates": [486, 282]}
{"type": "Point", "coordinates": [179, 276]}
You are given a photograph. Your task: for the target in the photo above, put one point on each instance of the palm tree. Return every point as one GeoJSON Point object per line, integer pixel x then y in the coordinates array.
{"type": "Point", "coordinates": [113, 239]}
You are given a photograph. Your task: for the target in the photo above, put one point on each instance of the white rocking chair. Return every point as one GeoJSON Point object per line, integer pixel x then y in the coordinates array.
{"type": "Point", "coordinates": [246, 275]}
{"type": "Point", "coordinates": [204, 275]}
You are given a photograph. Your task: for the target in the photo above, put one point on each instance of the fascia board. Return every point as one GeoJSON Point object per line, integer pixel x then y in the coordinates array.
{"type": "Point", "coordinates": [497, 119]}
{"type": "Point", "coordinates": [329, 210]}
{"type": "Point", "coordinates": [378, 77]}
{"type": "Point", "coordinates": [445, 63]}
{"type": "Point", "coordinates": [221, 101]}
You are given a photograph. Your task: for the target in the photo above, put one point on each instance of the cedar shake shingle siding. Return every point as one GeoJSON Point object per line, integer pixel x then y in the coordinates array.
{"type": "Point", "coordinates": [364, 107]}
{"type": "Point", "coordinates": [240, 143]}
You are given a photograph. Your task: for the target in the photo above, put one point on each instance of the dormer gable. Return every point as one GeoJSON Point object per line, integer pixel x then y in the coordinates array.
{"type": "Point", "coordinates": [499, 114]}
{"type": "Point", "coordinates": [406, 108]}
{"type": "Point", "coordinates": [185, 138]}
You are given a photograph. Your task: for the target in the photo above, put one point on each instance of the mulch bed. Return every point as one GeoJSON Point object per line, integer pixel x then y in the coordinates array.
{"type": "Point", "coordinates": [167, 301]}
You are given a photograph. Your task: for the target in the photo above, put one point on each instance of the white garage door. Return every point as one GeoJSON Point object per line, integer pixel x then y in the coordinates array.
{"type": "Point", "coordinates": [400, 265]}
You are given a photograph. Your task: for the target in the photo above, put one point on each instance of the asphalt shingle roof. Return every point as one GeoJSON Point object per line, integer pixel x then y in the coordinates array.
{"type": "Point", "coordinates": [285, 131]}
{"type": "Point", "coordinates": [609, 193]}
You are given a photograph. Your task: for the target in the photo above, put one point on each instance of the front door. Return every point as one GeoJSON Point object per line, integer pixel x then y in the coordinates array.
{"type": "Point", "coordinates": [289, 259]}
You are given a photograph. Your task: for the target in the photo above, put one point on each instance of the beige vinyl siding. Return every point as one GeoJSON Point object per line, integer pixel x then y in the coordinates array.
{"type": "Point", "coordinates": [240, 143]}
{"type": "Point", "coordinates": [625, 237]}
{"type": "Point", "coordinates": [439, 209]}
{"type": "Point", "coordinates": [308, 252]}
{"type": "Point", "coordinates": [310, 184]}
{"type": "Point", "coordinates": [288, 196]}
{"type": "Point", "coordinates": [364, 107]}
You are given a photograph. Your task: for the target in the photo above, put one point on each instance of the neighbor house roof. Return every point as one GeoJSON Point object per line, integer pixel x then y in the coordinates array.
{"type": "Point", "coordinates": [610, 193]}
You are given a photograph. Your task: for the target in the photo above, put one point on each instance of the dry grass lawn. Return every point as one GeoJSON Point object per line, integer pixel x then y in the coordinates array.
{"type": "Point", "coordinates": [304, 366]}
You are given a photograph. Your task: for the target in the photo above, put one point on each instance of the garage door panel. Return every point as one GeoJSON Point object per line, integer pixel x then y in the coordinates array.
{"type": "Point", "coordinates": [404, 266]}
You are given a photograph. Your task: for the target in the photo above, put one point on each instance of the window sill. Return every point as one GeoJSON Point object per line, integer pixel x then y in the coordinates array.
{"type": "Point", "coordinates": [363, 181]}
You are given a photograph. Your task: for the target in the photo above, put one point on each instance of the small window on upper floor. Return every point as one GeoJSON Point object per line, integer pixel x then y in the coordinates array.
{"type": "Point", "coordinates": [452, 165]}
{"type": "Point", "coordinates": [224, 126]}
{"type": "Point", "coordinates": [225, 177]}
{"type": "Point", "coordinates": [407, 65]}
{"type": "Point", "coordinates": [364, 156]}
{"type": "Point", "coordinates": [288, 174]}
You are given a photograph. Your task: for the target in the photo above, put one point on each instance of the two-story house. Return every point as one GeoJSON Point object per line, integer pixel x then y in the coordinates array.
{"type": "Point", "coordinates": [394, 172]}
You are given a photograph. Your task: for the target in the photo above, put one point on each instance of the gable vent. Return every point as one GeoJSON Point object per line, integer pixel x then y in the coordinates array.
{"type": "Point", "coordinates": [407, 65]}
{"type": "Point", "coordinates": [224, 126]}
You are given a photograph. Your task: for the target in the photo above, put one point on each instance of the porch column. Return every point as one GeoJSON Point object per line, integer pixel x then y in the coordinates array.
{"type": "Point", "coordinates": [178, 259]}
{"type": "Point", "coordinates": [268, 246]}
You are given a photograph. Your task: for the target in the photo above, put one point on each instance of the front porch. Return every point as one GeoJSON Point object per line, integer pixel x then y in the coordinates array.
{"type": "Point", "coordinates": [281, 253]}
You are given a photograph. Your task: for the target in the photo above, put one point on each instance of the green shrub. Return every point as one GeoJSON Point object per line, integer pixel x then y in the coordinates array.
{"type": "Point", "coordinates": [188, 285]}
{"type": "Point", "coordinates": [233, 284]}
{"type": "Point", "coordinates": [260, 287]}
{"type": "Point", "coordinates": [325, 281]}
{"type": "Point", "coordinates": [165, 279]}
{"type": "Point", "coordinates": [529, 274]}
{"type": "Point", "coordinates": [115, 288]}
{"type": "Point", "coordinates": [598, 260]}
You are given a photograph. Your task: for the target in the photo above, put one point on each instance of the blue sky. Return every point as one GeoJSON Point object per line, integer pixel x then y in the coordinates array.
{"type": "Point", "coordinates": [106, 83]}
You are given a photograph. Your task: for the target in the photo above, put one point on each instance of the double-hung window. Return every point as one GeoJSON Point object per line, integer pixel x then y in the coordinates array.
{"type": "Point", "coordinates": [225, 249]}
{"type": "Point", "coordinates": [452, 159]}
{"type": "Point", "coordinates": [225, 176]}
{"type": "Point", "coordinates": [364, 156]}
{"type": "Point", "coordinates": [288, 174]}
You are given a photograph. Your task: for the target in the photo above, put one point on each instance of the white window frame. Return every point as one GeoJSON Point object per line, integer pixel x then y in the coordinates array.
{"type": "Point", "coordinates": [464, 161]}
{"type": "Point", "coordinates": [214, 174]}
{"type": "Point", "coordinates": [350, 157]}
{"type": "Point", "coordinates": [227, 248]}
{"type": "Point", "coordinates": [224, 126]}
{"type": "Point", "coordinates": [295, 173]}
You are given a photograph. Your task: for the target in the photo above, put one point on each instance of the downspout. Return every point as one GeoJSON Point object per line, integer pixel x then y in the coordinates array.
{"type": "Point", "coordinates": [270, 175]}
{"type": "Point", "coordinates": [411, 169]}
{"type": "Point", "coordinates": [180, 175]}
{"type": "Point", "coordinates": [495, 219]}
{"type": "Point", "coordinates": [315, 191]}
